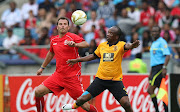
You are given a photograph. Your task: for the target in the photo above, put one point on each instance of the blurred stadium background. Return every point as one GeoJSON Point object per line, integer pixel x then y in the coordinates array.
{"type": "Point", "coordinates": [26, 27]}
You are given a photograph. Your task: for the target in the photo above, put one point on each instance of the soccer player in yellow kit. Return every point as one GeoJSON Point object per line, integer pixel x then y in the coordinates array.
{"type": "Point", "coordinates": [109, 74]}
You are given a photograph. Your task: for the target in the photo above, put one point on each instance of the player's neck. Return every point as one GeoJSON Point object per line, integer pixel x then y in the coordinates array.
{"type": "Point", "coordinates": [61, 34]}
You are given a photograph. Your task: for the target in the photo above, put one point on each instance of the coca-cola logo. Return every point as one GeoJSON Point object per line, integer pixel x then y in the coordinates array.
{"type": "Point", "coordinates": [140, 100]}
{"type": "Point", "coordinates": [25, 97]}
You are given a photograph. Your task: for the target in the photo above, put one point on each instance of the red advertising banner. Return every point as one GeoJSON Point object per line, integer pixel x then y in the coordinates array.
{"type": "Point", "coordinates": [22, 94]}
{"type": "Point", "coordinates": [136, 87]}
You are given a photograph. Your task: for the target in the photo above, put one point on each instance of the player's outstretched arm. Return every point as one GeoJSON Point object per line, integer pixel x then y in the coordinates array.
{"type": "Point", "coordinates": [132, 45]}
{"type": "Point", "coordinates": [47, 60]}
{"type": "Point", "coordinates": [90, 57]}
{"type": "Point", "coordinates": [82, 44]}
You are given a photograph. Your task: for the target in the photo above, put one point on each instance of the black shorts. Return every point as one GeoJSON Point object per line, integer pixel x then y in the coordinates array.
{"type": "Point", "coordinates": [156, 76]}
{"type": "Point", "coordinates": [115, 87]}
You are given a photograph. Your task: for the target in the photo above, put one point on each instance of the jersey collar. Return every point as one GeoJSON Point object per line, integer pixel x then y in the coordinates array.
{"type": "Point", "coordinates": [112, 44]}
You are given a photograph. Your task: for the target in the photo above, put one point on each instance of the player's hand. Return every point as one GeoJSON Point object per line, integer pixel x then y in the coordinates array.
{"type": "Point", "coordinates": [164, 72]}
{"type": "Point", "coordinates": [39, 72]}
{"type": "Point", "coordinates": [71, 43]}
{"type": "Point", "coordinates": [71, 62]}
{"type": "Point", "coordinates": [135, 44]}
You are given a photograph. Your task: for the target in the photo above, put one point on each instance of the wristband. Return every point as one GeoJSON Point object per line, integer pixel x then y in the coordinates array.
{"type": "Point", "coordinates": [42, 67]}
{"type": "Point", "coordinates": [164, 66]}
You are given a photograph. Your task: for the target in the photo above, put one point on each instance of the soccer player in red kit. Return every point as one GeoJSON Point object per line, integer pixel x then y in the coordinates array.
{"type": "Point", "coordinates": [64, 46]}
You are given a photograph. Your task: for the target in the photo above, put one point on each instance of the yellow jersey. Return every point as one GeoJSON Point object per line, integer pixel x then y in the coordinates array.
{"type": "Point", "coordinates": [110, 61]}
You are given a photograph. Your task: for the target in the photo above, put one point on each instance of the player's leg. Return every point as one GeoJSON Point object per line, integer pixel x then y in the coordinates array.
{"type": "Point", "coordinates": [119, 92]}
{"type": "Point", "coordinates": [155, 81]}
{"type": "Point", "coordinates": [40, 91]}
{"type": "Point", "coordinates": [48, 86]}
{"type": "Point", "coordinates": [92, 91]}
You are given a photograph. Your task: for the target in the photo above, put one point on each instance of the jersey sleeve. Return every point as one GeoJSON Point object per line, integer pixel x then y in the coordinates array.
{"type": "Point", "coordinates": [97, 51]}
{"type": "Point", "coordinates": [78, 39]}
{"type": "Point", "coordinates": [122, 45]}
{"type": "Point", "coordinates": [164, 47]}
{"type": "Point", "coordinates": [51, 47]}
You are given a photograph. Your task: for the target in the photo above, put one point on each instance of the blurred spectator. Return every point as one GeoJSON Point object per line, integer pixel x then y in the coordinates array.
{"type": "Point", "coordinates": [177, 41]}
{"type": "Point", "coordinates": [31, 21]}
{"type": "Point", "coordinates": [168, 19]}
{"type": "Point", "coordinates": [171, 32]}
{"type": "Point", "coordinates": [121, 4]}
{"type": "Point", "coordinates": [137, 65]}
{"type": "Point", "coordinates": [31, 5]}
{"type": "Point", "coordinates": [167, 37]}
{"type": "Point", "coordinates": [93, 46]}
{"type": "Point", "coordinates": [62, 13]}
{"type": "Point", "coordinates": [133, 12]}
{"type": "Point", "coordinates": [76, 30]}
{"type": "Point", "coordinates": [43, 36]}
{"type": "Point", "coordinates": [160, 12]}
{"type": "Point", "coordinates": [59, 4]}
{"type": "Point", "coordinates": [53, 14]}
{"type": "Point", "coordinates": [44, 51]}
{"type": "Point", "coordinates": [147, 40]}
{"type": "Point", "coordinates": [72, 5]}
{"type": "Point", "coordinates": [11, 17]}
{"type": "Point", "coordinates": [155, 3]}
{"type": "Point", "coordinates": [47, 5]}
{"type": "Point", "coordinates": [147, 13]}
{"type": "Point", "coordinates": [86, 5]}
{"type": "Point", "coordinates": [87, 26]}
{"type": "Point", "coordinates": [89, 36]}
{"type": "Point", "coordinates": [171, 3]}
{"type": "Point", "coordinates": [94, 4]}
{"type": "Point", "coordinates": [106, 11]}
{"type": "Point", "coordinates": [46, 23]}
{"type": "Point", "coordinates": [126, 24]}
{"type": "Point", "coordinates": [101, 38]}
{"type": "Point", "coordinates": [9, 42]}
{"type": "Point", "coordinates": [28, 40]}
{"type": "Point", "coordinates": [41, 15]}
{"type": "Point", "coordinates": [101, 26]}
{"type": "Point", "coordinates": [176, 12]}
{"type": "Point", "coordinates": [71, 8]}
{"type": "Point", "coordinates": [27, 33]}
{"type": "Point", "coordinates": [53, 31]}
{"type": "Point", "coordinates": [134, 51]}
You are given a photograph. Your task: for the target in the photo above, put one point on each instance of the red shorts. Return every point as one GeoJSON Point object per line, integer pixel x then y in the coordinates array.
{"type": "Point", "coordinates": [72, 85]}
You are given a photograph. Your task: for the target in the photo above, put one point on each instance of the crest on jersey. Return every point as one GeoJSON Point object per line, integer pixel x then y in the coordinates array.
{"type": "Point", "coordinates": [115, 48]}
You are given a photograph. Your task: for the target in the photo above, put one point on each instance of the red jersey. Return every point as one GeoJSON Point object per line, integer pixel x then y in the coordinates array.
{"type": "Point", "coordinates": [63, 52]}
{"type": "Point", "coordinates": [146, 15]}
{"type": "Point", "coordinates": [158, 15]}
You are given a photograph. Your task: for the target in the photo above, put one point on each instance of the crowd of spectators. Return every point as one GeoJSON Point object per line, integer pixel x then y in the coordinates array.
{"type": "Point", "coordinates": [36, 21]}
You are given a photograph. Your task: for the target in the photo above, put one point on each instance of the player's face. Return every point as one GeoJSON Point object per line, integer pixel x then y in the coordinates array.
{"type": "Point", "coordinates": [155, 32]}
{"type": "Point", "coordinates": [111, 35]}
{"type": "Point", "coordinates": [63, 26]}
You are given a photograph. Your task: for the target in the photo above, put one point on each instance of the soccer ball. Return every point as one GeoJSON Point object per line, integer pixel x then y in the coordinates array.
{"type": "Point", "coordinates": [79, 17]}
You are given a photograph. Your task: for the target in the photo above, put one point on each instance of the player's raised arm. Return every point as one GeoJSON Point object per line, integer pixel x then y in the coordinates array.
{"type": "Point", "coordinates": [132, 45]}
{"type": "Point", "coordinates": [90, 57]}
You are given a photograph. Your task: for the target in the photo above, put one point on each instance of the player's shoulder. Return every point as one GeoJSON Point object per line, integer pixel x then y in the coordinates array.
{"type": "Point", "coordinates": [54, 38]}
{"type": "Point", "coordinates": [103, 43]}
{"type": "Point", "coordinates": [71, 34]}
{"type": "Point", "coordinates": [121, 43]}
{"type": "Point", "coordinates": [162, 40]}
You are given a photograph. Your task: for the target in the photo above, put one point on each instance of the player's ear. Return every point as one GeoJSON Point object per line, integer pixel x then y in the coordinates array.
{"type": "Point", "coordinates": [57, 27]}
